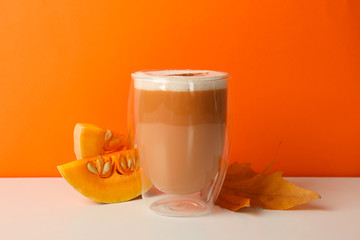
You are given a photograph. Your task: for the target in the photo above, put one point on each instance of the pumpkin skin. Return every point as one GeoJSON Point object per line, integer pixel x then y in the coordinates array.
{"type": "Point", "coordinates": [113, 189]}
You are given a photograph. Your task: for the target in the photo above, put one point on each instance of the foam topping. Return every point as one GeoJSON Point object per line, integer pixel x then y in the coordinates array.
{"type": "Point", "coordinates": [180, 80]}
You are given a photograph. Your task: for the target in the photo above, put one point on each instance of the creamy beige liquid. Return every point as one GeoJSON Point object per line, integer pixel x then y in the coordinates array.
{"type": "Point", "coordinates": [180, 136]}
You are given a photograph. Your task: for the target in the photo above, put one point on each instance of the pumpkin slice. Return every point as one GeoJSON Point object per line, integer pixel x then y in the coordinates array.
{"type": "Point", "coordinates": [91, 140]}
{"type": "Point", "coordinates": [110, 178]}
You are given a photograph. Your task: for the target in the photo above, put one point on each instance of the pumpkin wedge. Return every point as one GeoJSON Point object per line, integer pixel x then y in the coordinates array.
{"type": "Point", "coordinates": [91, 140]}
{"type": "Point", "coordinates": [110, 178]}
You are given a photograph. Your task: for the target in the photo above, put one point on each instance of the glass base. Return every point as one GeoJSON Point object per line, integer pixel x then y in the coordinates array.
{"type": "Point", "coordinates": [177, 207]}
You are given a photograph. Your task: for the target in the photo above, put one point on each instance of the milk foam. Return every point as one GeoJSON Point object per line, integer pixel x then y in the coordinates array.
{"type": "Point", "coordinates": [180, 80]}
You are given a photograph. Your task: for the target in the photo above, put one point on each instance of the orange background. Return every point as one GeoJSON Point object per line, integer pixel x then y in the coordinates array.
{"type": "Point", "coordinates": [295, 69]}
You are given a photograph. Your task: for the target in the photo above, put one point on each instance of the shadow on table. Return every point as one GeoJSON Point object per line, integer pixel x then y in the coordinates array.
{"type": "Point", "coordinates": [256, 211]}
{"type": "Point", "coordinates": [309, 206]}
{"type": "Point", "coordinates": [246, 210]}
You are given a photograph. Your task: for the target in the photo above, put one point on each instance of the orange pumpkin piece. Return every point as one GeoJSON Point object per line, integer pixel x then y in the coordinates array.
{"type": "Point", "coordinates": [91, 140]}
{"type": "Point", "coordinates": [110, 178]}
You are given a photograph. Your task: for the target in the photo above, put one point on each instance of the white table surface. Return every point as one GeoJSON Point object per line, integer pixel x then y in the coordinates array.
{"type": "Point", "coordinates": [49, 208]}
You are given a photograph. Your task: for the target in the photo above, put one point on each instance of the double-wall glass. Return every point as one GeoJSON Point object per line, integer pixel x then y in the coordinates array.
{"type": "Point", "coordinates": [178, 122]}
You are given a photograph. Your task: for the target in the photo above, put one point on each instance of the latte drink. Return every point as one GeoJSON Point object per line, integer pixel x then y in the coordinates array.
{"type": "Point", "coordinates": [180, 128]}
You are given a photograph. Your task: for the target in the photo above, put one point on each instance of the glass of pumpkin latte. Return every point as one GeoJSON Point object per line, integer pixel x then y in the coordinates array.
{"type": "Point", "coordinates": [178, 123]}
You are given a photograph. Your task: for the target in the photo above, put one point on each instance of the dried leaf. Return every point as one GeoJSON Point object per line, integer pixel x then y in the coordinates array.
{"type": "Point", "coordinates": [270, 191]}
{"type": "Point", "coordinates": [239, 172]}
{"type": "Point", "coordinates": [228, 198]}
{"type": "Point", "coordinates": [232, 202]}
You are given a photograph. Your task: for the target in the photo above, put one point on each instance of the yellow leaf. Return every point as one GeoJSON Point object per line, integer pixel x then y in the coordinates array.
{"type": "Point", "coordinates": [230, 201]}
{"type": "Point", "coordinates": [267, 191]}
{"type": "Point", "coordinates": [227, 197]}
